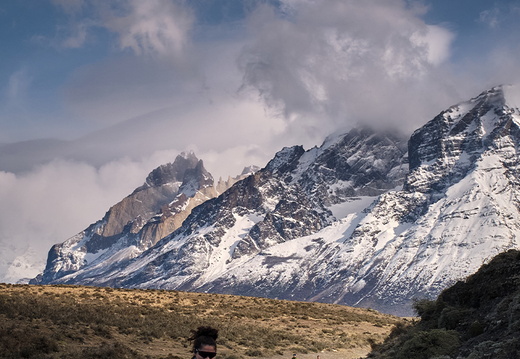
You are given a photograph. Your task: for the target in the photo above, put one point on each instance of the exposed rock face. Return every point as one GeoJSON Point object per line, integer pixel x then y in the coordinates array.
{"type": "Point", "coordinates": [224, 185]}
{"type": "Point", "coordinates": [161, 185]}
{"type": "Point", "coordinates": [458, 208]}
{"type": "Point", "coordinates": [364, 162]}
{"type": "Point", "coordinates": [448, 147]}
{"type": "Point", "coordinates": [196, 188]}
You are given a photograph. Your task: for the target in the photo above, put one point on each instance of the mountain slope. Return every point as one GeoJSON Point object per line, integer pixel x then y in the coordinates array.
{"type": "Point", "coordinates": [458, 208]}
{"type": "Point", "coordinates": [137, 222]}
{"type": "Point", "coordinates": [295, 195]}
{"type": "Point", "coordinates": [357, 221]}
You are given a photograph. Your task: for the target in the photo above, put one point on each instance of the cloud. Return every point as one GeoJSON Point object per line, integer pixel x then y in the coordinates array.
{"type": "Point", "coordinates": [219, 126]}
{"type": "Point", "coordinates": [502, 17]}
{"type": "Point", "coordinates": [512, 95]}
{"type": "Point", "coordinates": [314, 63]}
{"type": "Point", "coordinates": [490, 17]}
{"type": "Point", "coordinates": [74, 33]}
{"type": "Point", "coordinates": [15, 102]}
{"type": "Point", "coordinates": [151, 27]}
{"type": "Point", "coordinates": [436, 40]}
{"type": "Point", "coordinates": [348, 61]}
{"type": "Point", "coordinates": [154, 64]}
{"type": "Point", "coordinates": [77, 37]}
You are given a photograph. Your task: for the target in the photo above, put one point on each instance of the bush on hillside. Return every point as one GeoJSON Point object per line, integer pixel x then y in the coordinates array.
{"type": "Point", "coordinates": [473, 319]}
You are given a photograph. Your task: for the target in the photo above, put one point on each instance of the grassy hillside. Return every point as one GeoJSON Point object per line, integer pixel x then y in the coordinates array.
{"type": "Point", "coordinates": [89, 322]}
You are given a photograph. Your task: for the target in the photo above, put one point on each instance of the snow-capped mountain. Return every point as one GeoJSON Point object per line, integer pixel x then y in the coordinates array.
{"type": "Point", "coordinates": [297, 194]}
{"type": "Point", "coordinates": [140, 220]}
{"type": "Point", "coordinates": [357, 221]}
{"type": "Point", "coordinates": [458, 209]}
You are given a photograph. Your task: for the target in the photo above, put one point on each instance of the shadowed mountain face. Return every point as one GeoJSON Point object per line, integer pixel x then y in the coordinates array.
{"type": "Point", "coordinates": [347, 222]}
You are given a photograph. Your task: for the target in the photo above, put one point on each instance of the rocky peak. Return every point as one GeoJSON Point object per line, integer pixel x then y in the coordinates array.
{"type": "Point", "coordinates": [249, 170]}
{"type": "Point", "coordinates": [139, 220]}
{"type": "Point", "coordinates": [362, 162]}
{"type": "Point", "coordinates": [286, 160]}
{"type": "Point", "coordinates": [224, 185]}
{"type": "Point", "coordinates": [160, 187]}
{"type": "Point", "coordinates": [195, 179]}
{"type": "Point", "coordinates": [171, 172]}
{"type": "Point", "coordinates": [450, 144]}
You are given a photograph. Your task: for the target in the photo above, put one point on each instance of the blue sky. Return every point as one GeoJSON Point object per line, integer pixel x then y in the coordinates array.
{"type": "Point", "coordinates": [96, 93]}
{"type": "Point", "coordinates": [49, 44]}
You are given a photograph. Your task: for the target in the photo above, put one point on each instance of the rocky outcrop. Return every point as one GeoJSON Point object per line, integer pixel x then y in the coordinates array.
{"type": "Point", "coordinates": [223, 185]}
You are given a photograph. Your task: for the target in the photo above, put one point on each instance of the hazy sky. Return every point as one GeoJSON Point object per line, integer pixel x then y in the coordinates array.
{"type": "Point", "coordinates": [96, 93]}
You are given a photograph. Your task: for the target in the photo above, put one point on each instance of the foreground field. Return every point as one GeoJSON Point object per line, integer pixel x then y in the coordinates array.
{"type": "Point", "coordinates": [90, 322]}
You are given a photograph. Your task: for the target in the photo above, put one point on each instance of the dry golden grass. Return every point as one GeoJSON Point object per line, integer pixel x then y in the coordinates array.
{"type": "Point", "coordinates": [91, 322]}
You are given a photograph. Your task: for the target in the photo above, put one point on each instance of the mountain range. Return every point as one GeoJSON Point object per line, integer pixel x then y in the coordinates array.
{"type": "Point", "coordinates": [368, 218]}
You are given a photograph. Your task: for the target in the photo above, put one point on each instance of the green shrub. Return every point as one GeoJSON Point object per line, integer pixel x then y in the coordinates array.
{"type": "Point", "coordinates": [399, 329]}
{"type": "Point", "coordinates": [425, 308]}
{"type": "Point", "coordinates": [428, 344]}
{"type": "Point", "coordinates": [451, 317]}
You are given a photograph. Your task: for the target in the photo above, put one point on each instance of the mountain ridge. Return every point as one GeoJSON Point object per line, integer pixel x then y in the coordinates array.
{"type": "Point", "coordinates": [139, 220]}
{"type": "Point", "coordinates": [365, 219]}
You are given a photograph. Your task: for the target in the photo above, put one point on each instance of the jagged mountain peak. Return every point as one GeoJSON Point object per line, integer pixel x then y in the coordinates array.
{"type": "Point", "coordinates": [498, 96]}
{"type": "Point", "coordinates": [285, 160]}
{"type": "Point", "coordinates": [361, 162]}
{"type": "Point", "coordinates": [248, 170]}
{"type": "Point", "coordinates": [449, 145]}
{"type": "Point", "coordinates": [171, 172]}
{"type": "Point", "coordinates": [195, 179]}
{"type": "Point", "coordinates": [358, 159]}
{"type": "Point", "coordinates": [139, 220]}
